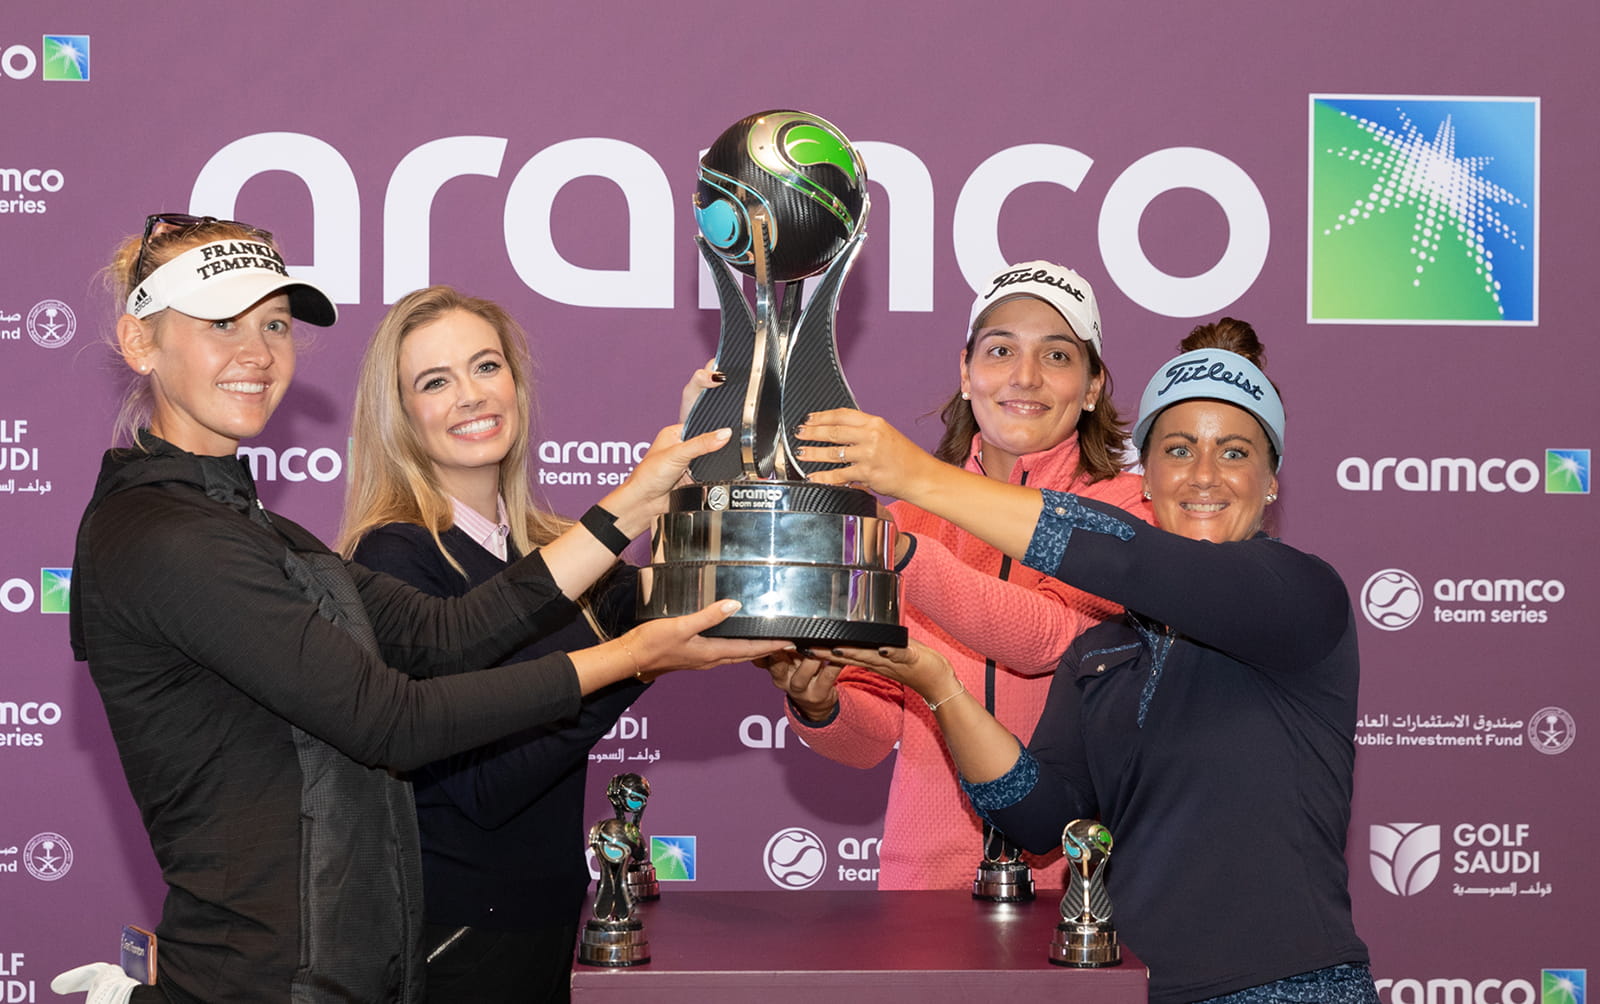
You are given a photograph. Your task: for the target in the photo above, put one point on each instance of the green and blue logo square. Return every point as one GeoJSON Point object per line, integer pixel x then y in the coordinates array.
{"type": "Point", "coordinates": [674, 858]}
{"type": "Point", "coordinates": [66, 57]}
{"type": "Point", "coordinates": [1423, 210]}
{"type": "Point", "coordinates": [1566, 472]}
{"type": "Point", "coordinates": [55, 590]}
{"type": "Point", "coordinates": [1563, 986]}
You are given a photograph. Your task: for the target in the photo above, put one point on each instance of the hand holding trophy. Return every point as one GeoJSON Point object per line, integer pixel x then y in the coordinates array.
{"type": "Point", "coordinates": [781, 197]}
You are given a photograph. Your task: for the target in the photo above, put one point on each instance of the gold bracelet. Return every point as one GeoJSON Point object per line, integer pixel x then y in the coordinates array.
{"type": "Point", "coordinates": [961, 688]}
{"type": "Point", "coordinates": [631, 658]}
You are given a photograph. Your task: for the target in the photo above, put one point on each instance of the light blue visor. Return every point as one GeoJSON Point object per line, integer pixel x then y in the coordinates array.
{"type": "Point", "coordinates": [1218, 375]}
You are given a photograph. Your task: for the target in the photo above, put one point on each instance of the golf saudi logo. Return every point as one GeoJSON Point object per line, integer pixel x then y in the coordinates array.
{"type": "Point", "coordinates": [1423, 210]}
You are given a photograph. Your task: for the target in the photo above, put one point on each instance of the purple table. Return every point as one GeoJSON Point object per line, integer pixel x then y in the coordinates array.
{"type": "Point", "coordinates": [714, 947]}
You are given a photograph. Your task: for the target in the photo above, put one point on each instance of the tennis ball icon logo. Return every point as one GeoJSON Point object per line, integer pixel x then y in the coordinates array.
{"type": "Point", "coordinates": [1391, 599]}
{"type": "Point", "coordinates": [795, 858]}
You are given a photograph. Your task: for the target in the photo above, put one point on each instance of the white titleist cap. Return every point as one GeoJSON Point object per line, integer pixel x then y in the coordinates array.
{"type": "Point", "coordinates": [1057, 285]}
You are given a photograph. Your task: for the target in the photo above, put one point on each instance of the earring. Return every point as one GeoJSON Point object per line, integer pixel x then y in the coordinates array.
{"type": "Point", "coordinates": [1147, 494]}
{"type": "Point", "coordinates": [965, 396]}
{"type": "Point", "coordinates": [1272, 497]}
{"type": "Point", "coordinates": [1089, 406]}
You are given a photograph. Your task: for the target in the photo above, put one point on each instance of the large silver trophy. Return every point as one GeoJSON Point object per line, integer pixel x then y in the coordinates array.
{"type": "Point", "coordinates": [613, 935]}
{"type": "Point", "coordinates": [782, 197]}
{"type": "Point", "coordinates": [1085, 936]}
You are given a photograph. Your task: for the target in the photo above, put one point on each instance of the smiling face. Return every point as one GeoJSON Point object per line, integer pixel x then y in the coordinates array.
{"type": "Point", "coordinates": [461, 400]}
{"type": "Point", "coordinates": [213, 383]}
{"type": "Point", "coordinates": [1029, 380]}
{"type": "Point", "coordinates": [1208, 471]}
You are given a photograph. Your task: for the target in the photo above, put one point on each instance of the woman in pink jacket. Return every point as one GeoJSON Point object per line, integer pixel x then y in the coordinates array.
{"type": "Point", "coordinates": [1034, 408]}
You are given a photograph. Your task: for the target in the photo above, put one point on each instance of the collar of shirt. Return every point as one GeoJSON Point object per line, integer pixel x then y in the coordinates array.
{"type": "Point", "coordinates": [492, 534]}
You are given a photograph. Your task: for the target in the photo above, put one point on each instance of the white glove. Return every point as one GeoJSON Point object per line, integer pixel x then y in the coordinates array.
{"type": "Point", "coordinates": [106, 984]}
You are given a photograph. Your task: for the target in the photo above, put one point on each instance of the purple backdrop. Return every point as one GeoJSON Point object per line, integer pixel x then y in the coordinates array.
{"type": "Point", "coordinates": [1192, 160]}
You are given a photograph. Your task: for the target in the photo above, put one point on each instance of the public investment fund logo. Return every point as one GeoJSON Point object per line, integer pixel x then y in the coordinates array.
{"type": "Point", "coordinates": [1423, 210]}
{"type": "Point", "coordinates": [47, 856]}
{"type": "Point", "coordinates": [1551, 730]}
{"type": "Point", "coordinates": [795, 858]}
{"type": "Point", "coordinates": [1405, 856]}
{"type": "Point", "coordinates": [66, 57]}
{"type": "Point", "coordinates": [674, 858]}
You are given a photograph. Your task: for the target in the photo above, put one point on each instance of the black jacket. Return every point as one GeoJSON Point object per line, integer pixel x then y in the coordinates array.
{"type": "Point", "coordinates": [246, 673]}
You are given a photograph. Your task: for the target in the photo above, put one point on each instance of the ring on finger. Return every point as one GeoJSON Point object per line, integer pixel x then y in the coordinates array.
{"type": "Point", "coordinates": [841, 453]}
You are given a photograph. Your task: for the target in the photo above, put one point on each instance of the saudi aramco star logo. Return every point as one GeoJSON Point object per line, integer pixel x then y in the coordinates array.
{"type": "Point", "coordinates": [1423, 210]}
{"type": "Point", "coordinates": [66, 57]}
{"type": "Point", "coordinates": [1566, 472]}
{"type": "Point", "coordinates": [674, 858]}
{"type": "Point", "coordinates": [1563, 986]}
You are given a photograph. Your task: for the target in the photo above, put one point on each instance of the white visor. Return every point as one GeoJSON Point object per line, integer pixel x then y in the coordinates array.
{"type": "Point", "coordinates": [224, 279]}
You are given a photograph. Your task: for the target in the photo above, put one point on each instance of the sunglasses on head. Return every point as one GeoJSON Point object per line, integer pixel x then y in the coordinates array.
{"type": "Point", "coordinates": [162, 224]}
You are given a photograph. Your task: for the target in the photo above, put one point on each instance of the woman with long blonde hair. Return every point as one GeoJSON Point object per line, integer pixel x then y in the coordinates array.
{"type": "Point", "coordinates": [262, 691]}
{"type": "Point", "coordinates": [439, 496]}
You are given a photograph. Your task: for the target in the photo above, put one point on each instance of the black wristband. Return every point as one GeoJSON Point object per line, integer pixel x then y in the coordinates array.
{"type": "Point", "coordinates": [603, 525]}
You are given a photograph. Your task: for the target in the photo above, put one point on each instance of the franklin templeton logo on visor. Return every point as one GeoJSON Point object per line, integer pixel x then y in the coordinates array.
{"type": "Point", "coordinates": [225, 257]}
{"type": "Point", "coordinates": [1205, 369]}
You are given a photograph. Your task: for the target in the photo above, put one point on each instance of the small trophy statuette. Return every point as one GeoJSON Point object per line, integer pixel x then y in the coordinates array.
{"type": "Point", "coordinates": [613, 936]}
{"type": "Point", "coordinates": [1003, 877]}
{"type": "Point", "coordinates": [629, 793]}
{"type": "Point", "coordinates": [1085, 936]}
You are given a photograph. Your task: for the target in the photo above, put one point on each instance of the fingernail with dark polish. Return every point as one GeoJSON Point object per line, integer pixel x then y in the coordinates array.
{"type": "Point", "coordinates": [717, 376]}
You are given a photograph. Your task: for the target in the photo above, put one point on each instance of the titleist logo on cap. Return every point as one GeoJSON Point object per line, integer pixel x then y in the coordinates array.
{"type": "Point", "coordinates": [227, 256]}
{"type": "Point", "coordinates": [1205, 369]}
{"type": "Point", "coordinates": [1034, 275]}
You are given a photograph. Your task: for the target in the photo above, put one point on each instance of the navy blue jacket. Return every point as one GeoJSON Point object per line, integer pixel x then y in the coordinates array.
{"type": "Point", "coordinates": [1212, 731]}
{"type": "Point", "coordinates": [502, 827]}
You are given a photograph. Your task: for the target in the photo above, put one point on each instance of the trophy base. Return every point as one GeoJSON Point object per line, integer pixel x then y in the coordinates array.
{"type": "Point", "coordinates": [1085, 946]}
{"type": "Point", "coordinates": [812, 564]}
{"type": "Point", "coordinates": [642, 884]}
{"type": "Point", "coordinates": [613, 943]}
{"type": "Point", "coordinates": [1003, 882]}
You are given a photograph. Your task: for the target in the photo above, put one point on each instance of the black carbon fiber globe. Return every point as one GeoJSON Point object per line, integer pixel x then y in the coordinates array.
{"type": "Point", "coordinates": [806, 175]}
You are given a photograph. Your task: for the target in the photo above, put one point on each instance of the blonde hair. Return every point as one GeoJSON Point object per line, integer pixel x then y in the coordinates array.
{"type": "Point", "coordinates": [120, 280]}
{"type": "Point", "coordinates": [391, 478]}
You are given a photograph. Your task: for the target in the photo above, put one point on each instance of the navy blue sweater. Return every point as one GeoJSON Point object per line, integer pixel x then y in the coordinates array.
{"type": "Point", "coordinates": [1212, 731]}
{"type": "Point", "coordinates": [503, 834]}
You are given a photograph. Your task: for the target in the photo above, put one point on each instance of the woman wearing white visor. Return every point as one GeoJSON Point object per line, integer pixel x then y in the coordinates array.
{"type": "Point", "coordinates": [261, 689]}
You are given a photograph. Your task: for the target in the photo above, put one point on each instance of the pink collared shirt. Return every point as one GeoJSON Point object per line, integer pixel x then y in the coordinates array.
{"type": "Point", "coordinates": [492, 534]}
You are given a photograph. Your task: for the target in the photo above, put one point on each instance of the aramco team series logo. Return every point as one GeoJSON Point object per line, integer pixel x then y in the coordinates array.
{"type": "Point", "coordinates": [795, 858]}
{"type": "Point", "coordinates": [1405, 856]}
{"type": "Point", "coordinates": [1423, 210]}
